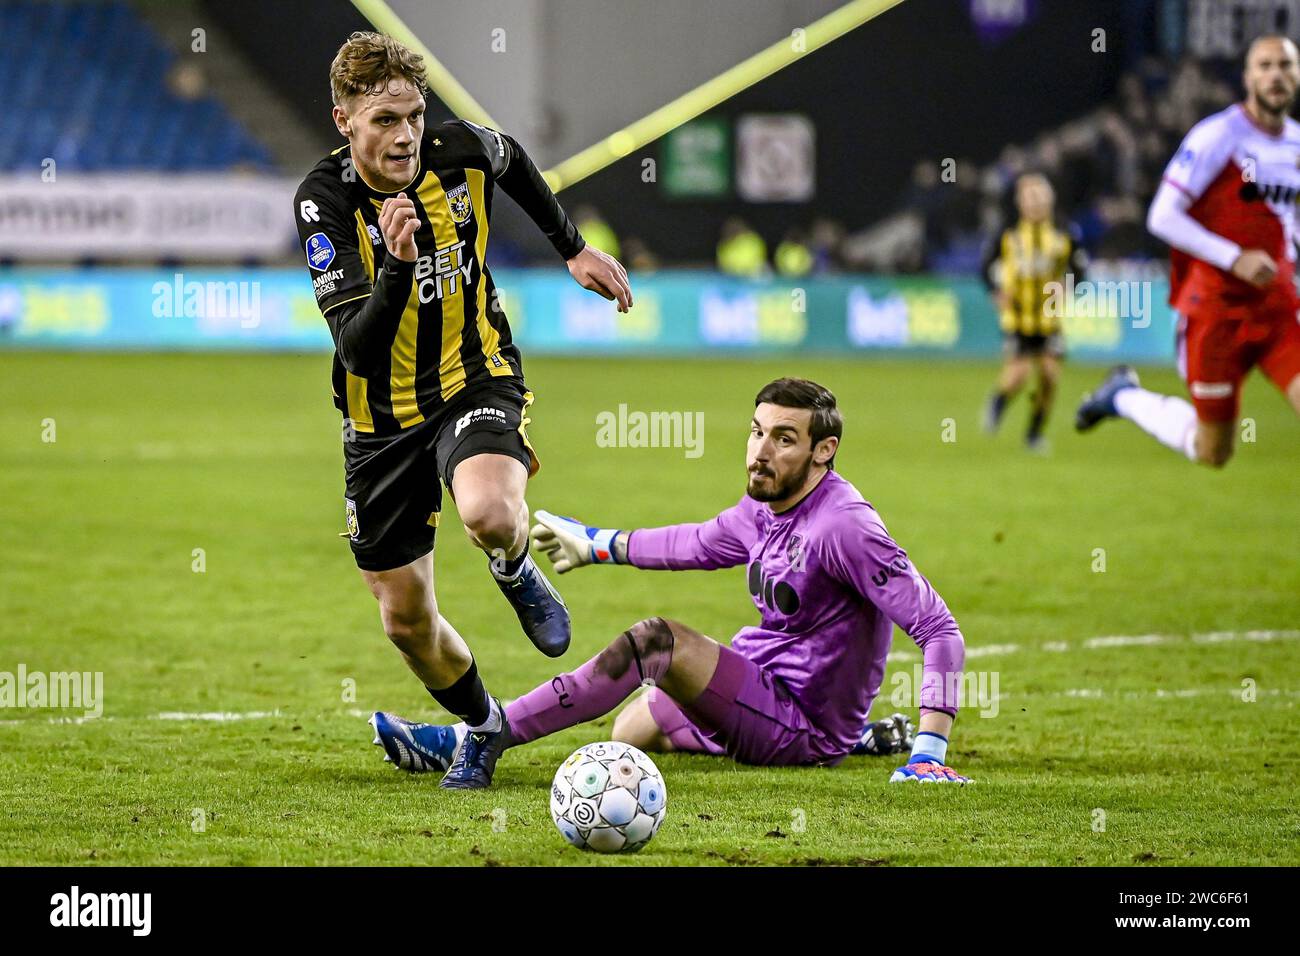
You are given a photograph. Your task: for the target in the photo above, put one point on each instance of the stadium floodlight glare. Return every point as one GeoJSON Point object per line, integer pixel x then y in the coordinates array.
{"type": "Point", "coordinates": [667, 117]}
{"type": "Point", "coordinates": [712, 92]}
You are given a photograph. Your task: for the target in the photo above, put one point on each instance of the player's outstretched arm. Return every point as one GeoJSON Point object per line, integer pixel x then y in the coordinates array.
{"type": "Point", "coordinates": [721, 542]}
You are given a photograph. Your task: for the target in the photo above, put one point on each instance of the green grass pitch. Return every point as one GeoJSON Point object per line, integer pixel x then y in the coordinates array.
{"type": "Point", "coordinates": [1116, 752]}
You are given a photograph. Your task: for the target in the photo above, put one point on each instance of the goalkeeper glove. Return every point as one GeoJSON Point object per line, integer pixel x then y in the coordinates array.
{"type": "Point", "coordinates": [926, 765]}
{"type": "Point", "coordinates": [923, 769]}
{"type": "Point", "coordinates": [570, 544]}
{"type": "Point", "coordinates": [893, 735]}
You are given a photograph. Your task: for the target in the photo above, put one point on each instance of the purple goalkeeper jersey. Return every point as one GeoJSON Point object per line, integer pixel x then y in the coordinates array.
{"type": "Point", "coordinates": [830, 584]}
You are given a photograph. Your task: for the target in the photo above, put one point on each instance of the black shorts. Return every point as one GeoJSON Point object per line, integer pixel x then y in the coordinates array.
{"type": "Point", "coordinates": [394, 483]}
{"type": "Point", "coordinates": [1018, 345]}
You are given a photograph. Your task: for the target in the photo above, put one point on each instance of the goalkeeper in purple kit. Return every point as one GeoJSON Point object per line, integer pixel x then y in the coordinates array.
{"type": "Point", "coordinates": [795, 690]}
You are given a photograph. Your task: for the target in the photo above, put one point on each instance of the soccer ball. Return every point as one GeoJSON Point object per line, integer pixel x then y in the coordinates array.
{"type": "Point", "coordinates": [608, 797]}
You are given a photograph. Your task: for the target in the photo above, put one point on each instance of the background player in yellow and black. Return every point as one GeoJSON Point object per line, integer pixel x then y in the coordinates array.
{"type": "Point", "coordinates": [395, 228]}
{"type": "Point", "coordinates": [1018, 269]}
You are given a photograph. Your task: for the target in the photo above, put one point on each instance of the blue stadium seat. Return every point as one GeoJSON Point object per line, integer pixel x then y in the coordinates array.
{"type": "Point", "coordinates": [88, 87]}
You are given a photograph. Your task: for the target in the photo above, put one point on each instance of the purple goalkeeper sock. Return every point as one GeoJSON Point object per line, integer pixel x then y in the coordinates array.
{"type": "Point", "coordinates": [639, 654]}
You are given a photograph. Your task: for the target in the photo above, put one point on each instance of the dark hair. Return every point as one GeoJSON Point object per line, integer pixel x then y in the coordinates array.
{"type": "Point", "coordinates": [801, 393]}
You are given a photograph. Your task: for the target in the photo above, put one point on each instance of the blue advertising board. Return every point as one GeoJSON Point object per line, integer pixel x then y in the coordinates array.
{"type": "Point", "coordinates": [676, 312]}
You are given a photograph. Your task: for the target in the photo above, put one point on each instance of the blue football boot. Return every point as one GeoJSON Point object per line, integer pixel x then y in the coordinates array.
{"type": "Point", "coordinates": [1101, 403]}
{"type": "Point", "coordinates": [542, 612]}
{"type": "Point", "coordinates": [417, 748]}
{"type": "Point", "coordinates": [472, 767]}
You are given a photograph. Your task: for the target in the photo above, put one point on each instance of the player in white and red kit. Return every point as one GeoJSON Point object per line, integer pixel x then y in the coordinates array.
{"type": "Point", "coordinates": [1226, 207]}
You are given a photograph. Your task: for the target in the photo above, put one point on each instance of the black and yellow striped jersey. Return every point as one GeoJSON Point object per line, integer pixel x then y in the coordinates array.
{"type": "Point", "coordinates": [1025, 259]}
{"type": "Point", "coordinates": [432, 327]}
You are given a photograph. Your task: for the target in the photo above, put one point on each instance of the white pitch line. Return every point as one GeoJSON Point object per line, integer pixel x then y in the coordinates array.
{"type": "Point", "coordinates": [984, 650]}
{"type": "Point", "coordinates": [1217, 637]}
{"type": "Point", "coordinates": [989, 650]}
{"type": "Point", "coordinates": [1116, 640]}
{"type": "Point", "coordinates": [1096, 692]}
{"type": "Point", "coordinates": [216, 716]}
{"type": "Point", "coordinates": [1131, 640]}
{"type": "Point", "coordinates": [210, 716]}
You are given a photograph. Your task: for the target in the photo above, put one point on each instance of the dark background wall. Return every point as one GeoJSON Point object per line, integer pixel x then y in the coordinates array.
{"type": "Point", "coordinates": [916, 82]}
{"type": "Point", "coordinates": [291, 45]}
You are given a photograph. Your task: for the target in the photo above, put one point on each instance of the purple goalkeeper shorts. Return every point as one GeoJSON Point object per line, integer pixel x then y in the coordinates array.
{"type": "Point", "coordinates": [746, 713]}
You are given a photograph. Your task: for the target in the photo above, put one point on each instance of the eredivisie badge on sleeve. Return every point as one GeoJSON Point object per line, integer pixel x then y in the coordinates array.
{"type": "Point", "coordinates": [320, 251]}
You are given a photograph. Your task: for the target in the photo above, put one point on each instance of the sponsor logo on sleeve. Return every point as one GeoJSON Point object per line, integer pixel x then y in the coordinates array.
{"type": "Point", "coordinates": [892, 570]}
{"type": "Point", "coordinates": [326, 282]}
{"type": "Point", "coordinates": [496, 137]}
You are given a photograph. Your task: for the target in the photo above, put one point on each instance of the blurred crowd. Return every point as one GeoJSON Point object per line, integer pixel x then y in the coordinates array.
{"type": "Point", "coordinates": [1105, 167]}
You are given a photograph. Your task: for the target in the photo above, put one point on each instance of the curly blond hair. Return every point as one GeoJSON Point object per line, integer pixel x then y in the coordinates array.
{"type": "Point", "coordinates": [367, 62]}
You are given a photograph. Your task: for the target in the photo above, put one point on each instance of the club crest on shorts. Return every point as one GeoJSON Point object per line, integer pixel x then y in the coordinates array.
{"type": "Point", "coordinates": [354, 529]}
{"type": "Point", "coordinates": [459, 204]}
